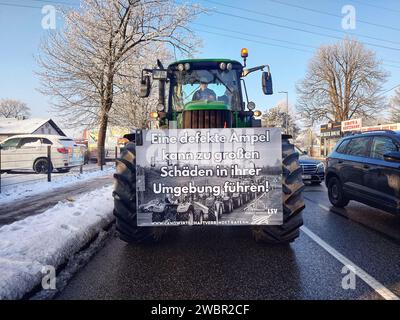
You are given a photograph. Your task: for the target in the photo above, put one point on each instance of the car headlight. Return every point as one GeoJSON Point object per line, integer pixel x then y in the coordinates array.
{"type": "Point", "coordinates": [321, 166]}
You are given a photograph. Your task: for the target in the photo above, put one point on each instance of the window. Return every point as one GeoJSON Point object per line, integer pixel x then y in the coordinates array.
{"type": "Point", "coordinates": [342, 146]}
{"type": "Point", "coordinates": [30, 143]}
{"type": "Point", "coordinates": [382, 145]}
{"type": "Point", "coordinates": [358, 147]}
{"type": "Point", "coordinates": [199, 86]}
{"type": "Point", "coordinates": [66, 142]}
{"type": "Point", "coordinates": [12, 143]}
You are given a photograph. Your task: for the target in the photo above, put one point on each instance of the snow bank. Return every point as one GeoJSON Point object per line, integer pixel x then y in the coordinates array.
{"type": "Point", "coordinates": [26, 189]}
{"type": "Point", "coordinates": [49, 239]}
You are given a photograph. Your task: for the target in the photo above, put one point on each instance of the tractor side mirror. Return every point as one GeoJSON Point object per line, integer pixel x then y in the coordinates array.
{"type": "Point", "coordinates": [144, 87]}
{"type": "Point", "coordinates": [267, 83]}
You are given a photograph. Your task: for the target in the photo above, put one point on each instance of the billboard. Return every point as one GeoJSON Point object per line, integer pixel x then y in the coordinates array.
{"type": "Point", "coordinates": [209, 177]}
{"type": "Point", "coordinates": [390, 126]}
{"type": "Point", "coordinates": [331, 130]}
{"type": "Point", "coordinates": [351, 125]}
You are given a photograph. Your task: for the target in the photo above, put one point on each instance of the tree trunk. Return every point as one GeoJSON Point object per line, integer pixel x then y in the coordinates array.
{"type": "Point", "coordinates": [102, 138]}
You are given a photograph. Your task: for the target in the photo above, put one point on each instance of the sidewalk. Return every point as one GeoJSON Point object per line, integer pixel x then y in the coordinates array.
{"type": "Point", "coordinates": [50, 239]}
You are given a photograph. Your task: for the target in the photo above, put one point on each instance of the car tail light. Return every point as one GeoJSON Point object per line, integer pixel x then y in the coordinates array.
{"type": "Point", "coordinates": [62, 150]}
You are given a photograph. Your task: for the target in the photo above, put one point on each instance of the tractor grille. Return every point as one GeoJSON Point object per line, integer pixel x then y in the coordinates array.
{"type": "Point", "coordinates": [309, 168]}
{"type": "Point", "coordinates": [199, 119]}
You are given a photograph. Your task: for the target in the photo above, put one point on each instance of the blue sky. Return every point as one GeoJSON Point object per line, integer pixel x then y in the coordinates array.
{"type": "Point", "coordinates": [21, 31]}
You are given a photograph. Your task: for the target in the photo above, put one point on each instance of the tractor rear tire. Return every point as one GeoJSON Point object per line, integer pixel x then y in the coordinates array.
{"type": "Point", "coordinates": [293, 203]}
{"type": "Point", "coordinates": [125, 202]}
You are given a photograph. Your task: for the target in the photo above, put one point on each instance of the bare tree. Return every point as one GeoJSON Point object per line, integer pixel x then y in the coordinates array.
{"type": "Point", "coordinates": [10, 108]}
{"type": "Point", "coordinates": [307, 139]}
{"type": "Point", "coordinates": [129, 110]}
{"type": "Point", "coordinates": [343, 81]}
{"type": "Point", "coordinates": [395, 107]}
{"type": "Point", "coordinates": [277, 117]}
{"type": "Point", "coordinates": [83, 67]}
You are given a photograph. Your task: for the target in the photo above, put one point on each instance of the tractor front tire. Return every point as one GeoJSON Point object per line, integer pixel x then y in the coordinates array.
{"type": "Point", "coordinates": [125, 202]}
{"type": "Point", "coordinates": [293, 203]}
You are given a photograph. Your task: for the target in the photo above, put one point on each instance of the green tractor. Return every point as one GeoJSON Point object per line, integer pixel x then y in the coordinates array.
{"type": "Point", "coordinates": [206, 93]}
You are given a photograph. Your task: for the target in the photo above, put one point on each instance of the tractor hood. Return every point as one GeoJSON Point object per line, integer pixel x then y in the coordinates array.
{"type": "Point", "coordinates": [206, 105]}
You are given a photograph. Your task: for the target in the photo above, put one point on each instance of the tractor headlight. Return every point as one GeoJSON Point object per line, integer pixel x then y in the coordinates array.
{"type": "Point", "coordinates": [153, 115]}
{"type": "Point", "coordinates": [257, 113]}
{"type": "Point", "coordinates": [181, 67]}
{"type": "Point", "coordinates": [222, 65]}
{"type": "Point", "coordinates": [187, 66]}
{"type": "Point", "coordinates": [229, 66]}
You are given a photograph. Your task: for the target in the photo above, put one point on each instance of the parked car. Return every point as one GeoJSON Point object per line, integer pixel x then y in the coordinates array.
{"type": "Point", "coordinates": [30, 152]}
{"type": "Point", "coordinates": [366, 168]}
{"type": "Point", "coordinates": [313, 170]}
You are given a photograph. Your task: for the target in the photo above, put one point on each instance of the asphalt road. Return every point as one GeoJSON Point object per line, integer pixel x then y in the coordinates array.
{"type": "Point", "coordinates": [225, 263]}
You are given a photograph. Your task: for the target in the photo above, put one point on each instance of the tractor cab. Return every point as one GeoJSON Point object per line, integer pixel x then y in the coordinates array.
{"type": "Point", "coordinates": [204, 93]}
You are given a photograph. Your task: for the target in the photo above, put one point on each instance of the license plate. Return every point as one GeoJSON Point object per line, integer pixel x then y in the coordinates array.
{"type": "Point", "coordinates": [306, 177]}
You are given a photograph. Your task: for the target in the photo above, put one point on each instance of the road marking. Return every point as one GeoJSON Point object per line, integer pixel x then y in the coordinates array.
{"type": "Point", "coordinates": [369, 280]}
{"type": "Point", "coordinates": [318, 204]}
{"type": "Point", "coordinates": [323, 207]}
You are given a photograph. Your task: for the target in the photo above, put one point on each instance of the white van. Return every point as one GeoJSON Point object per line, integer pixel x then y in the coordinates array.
{"type": "Point", "coordinates": [30, 152]}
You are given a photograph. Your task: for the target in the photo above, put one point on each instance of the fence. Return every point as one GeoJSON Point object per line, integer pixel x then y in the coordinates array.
{"type": "Point", "coordinates": [27, 166]}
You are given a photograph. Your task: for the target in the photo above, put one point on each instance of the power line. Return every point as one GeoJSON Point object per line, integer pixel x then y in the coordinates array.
{"type": "Point", "coordinates": [331, 14]}
{"type": "Point", "coordinates": [18, 5]}
{"type": "Point", "coordinates": [250, 40]}
{"type": "Point", "coordinates": [267, 43]}
{"type": "Point", "coordinates": [298, 21]}
{"type": "Point", "coordinates": [254, 35]}
{"type": "Point", "coordinates": [390, 90]}
{"type": "Point", "coordinates": [55, 2]}
{"type": "Point", "coordinates": [275, 39]}
{"type": "Point", "coordinates": [375, 6]}
{"type": "Point", "coordinates": [298, 29]}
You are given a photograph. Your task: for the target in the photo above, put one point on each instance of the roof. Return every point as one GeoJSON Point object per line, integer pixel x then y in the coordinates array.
{"type": "Point", "coordinates": [371, 133]}
{"type": "Point", "coordinates": [15, 126]}
{"type": "Point", "coordinates": [48, 136]}
{"type": "Point", "coordinates": [205, 60]}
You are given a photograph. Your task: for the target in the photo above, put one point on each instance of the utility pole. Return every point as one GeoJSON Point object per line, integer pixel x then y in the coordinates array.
{"type": "Point", "coordinates": [287, 111]}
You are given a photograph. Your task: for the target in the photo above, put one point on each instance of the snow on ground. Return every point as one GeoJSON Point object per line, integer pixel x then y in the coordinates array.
{"type": "Point", "coordinates": [26, 188]}
{"type": "Point", "coordinates": [49, 239]}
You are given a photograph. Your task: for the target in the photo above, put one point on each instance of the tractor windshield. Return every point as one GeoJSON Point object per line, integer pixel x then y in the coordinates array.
{"type": "Point", "coordinates": [206, 86]}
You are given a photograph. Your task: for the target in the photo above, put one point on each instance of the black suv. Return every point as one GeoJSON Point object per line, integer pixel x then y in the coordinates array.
{"type": "Point", "coordinates": [366, 168]}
